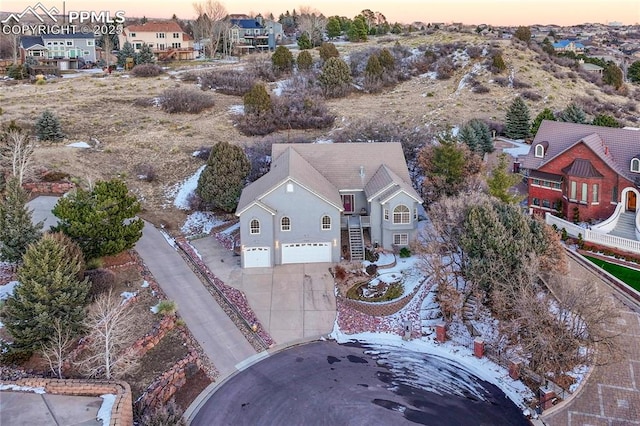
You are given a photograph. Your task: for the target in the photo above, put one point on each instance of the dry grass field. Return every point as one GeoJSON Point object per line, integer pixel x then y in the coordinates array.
{"type": "Point", "coordinates": [101, 107]}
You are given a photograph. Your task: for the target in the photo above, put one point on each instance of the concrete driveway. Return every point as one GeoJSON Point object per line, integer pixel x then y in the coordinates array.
{"type": "Point", "coordinates": [293, 302]}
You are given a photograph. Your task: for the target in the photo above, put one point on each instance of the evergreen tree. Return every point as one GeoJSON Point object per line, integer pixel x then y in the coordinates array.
{"type": "Point", "coordinates": [373, 69]}
{"type": "Point", "coordinates": [573, 114]}
{"type": "Point", "coordinates": [222, 180]}
{"type": "Point", "coordinates": [49, 289]}
{"type": "Point", "coordinates": [48, 127]}
{"type": "Point", "coordinates": [497, 64]}
{"type": "Point", "coordinates": [145, 55]}
{"type": "Point", "coordinates": [612, 75]}
{"type": "Point", "coordinates": [334, 27]}
{"type": "Point", "coordinates": [282, 60]}
{"type": "Point", "coordinates": [500, 181]}
{"type": "Point", "coordinates": [605, 120]}
{"type": "Point", "coordinates": [545, 114]}
{"type": "Point", "coordinates": [328, 50]}
{"type": "Point", "coordinates": [304, 61]}
{"type": "Point", "coordinates": [126, 51]}
{"type": "Point", "coordinates": [335, 78]}
{"type": "Point", "coordinates": [387, 60]}
{"type": "Point", "coordinates": [358, 30]}
{"type": "Point", "coordinates": [304, 42]}
{"type": "Point", "coordinates": [517, 123]}
{"type": "Point", "coordinates": [477, 136]}
{"type": "Point", "coordinates": [257, 100]}
{"type": "Point", "coordinates": [633, 73]}
{"type": "Point", "coordinates": [17, 230]}
{"type": "Point", "coordinates": [523, 33]}
{"type": "Point", "coordinates": [102, 221]}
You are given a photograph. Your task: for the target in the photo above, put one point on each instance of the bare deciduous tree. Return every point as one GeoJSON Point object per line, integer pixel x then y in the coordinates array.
{"type": "Point", "coordinates": [16, 153]}
{"type": "Point", "coordinates": [212, 23]}
{"type": "Point", "coordinates": [313, 23]}
{"type": "Point", "coordinates": [109, 354]}
{"type": "Point", "coordinates": [55, 351]}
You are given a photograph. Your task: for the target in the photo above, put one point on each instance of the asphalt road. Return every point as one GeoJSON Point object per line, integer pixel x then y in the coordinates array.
{"type": "Point", "coordinates": [324, 383]}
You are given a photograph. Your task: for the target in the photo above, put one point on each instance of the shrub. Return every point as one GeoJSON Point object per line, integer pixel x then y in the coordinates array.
{"type": "Point", "coordinates": [101, 280]}
{"type": "Point", "coordinates": [260, 65]}
{"type": "Point", "coordinates": [372, 269]}
{"type": "Point", "coordinates": [474, 51]}
{"type": "Point", "coordinates": [340, 272]}
{"type": "Point", "coordinates": [518, 84]}
{"type": "Point", "coordinates": [405, 252]}
{"type": "Point", "coordinates": [564, 235]}
{"type": "Point", "coordinates": [94, 263]}
{"type": "Point", "coordinates": [282, 59]}
{"type": "Point", "coordinates": [144, 102]}
{"type": "Point", "coordinates": [532, 96]}
{"type": "Point", "coordinates": [167, 307]}
{"type": "Point", "coordinates": [444, 68]}
{"type": "Point", "coordinates": [229, 82]}
{"type": "Point", "coordinates": [335, 78]}
{"type": "Point", "coordinates": [54, 176]}
{"type": "Point", "coordinates": [145, 172]}
{"type": "Point", "coordinates": [328, 50]}
{"type": "Point", "coordinates": [48, 127]}
{"type": "Point", "coordinates": [146, 70]}
{"type": "Point", "coordinates": [304, 61]}
{"type": "Point", "coordinates": [203, 153]}
{"type": "Point", "coordinates": [497, 64]}
{"type": "Point", "coordinates": [185, 100]}
{"type": "Point", "coordinates": [480, 88]}
{"type": "Point", "coordinates": [17, 72]}
{"type": "Point", "coordinates": [257, 101]}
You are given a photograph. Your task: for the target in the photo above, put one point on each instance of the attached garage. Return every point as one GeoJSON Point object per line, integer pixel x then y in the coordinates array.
{"type": "Point", "coordinates": [306, 253]}
{"type": "Point", "coordinates": [256, 257]}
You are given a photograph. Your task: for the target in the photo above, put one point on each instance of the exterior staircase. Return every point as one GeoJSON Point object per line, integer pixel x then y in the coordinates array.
{"type": "Point", "coordinates": [625, 227]}
{"type": "Point", "coordinates": [470, 312]}
{"type": "Point", "coordinates": [356, 239]}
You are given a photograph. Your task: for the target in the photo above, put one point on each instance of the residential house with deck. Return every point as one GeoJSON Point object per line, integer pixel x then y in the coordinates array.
{"type": "Point", "coordinates": [324, 202]}
{"type": "Point", "coordinates": [585, 173]}
{"type": "Point", "coordinates": [248, 35]}
{"type": "Point", "coordinates": [62, 51]}
{"type": "Point", "coordinates": [166, 39]}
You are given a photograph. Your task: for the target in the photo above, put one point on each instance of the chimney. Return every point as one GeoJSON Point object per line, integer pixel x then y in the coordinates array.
{"type": "Point", "coordinates": [606, 150]}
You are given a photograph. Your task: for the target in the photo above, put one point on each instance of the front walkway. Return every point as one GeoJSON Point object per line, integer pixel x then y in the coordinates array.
{"type": "Point", "coordinates": [292, 302]}
{"type": "Point", "coordinates": [611, 395]}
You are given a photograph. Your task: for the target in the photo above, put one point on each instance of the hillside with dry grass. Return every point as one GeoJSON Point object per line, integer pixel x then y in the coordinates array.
{"type": "Point", "coordinates": [105, 110]}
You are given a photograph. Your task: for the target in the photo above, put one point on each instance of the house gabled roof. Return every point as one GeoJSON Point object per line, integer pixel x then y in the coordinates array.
{"type": "Point", "coordinates": [31, 42]}
{"type": "Point", "coordinates": [582, 169]}
{"type": "Point", "coordinates": [615, 146]}
{"type": "Point", "coordinates": [385, 184]}
{"type": "Point", "coordinates": [289, 166]}
{"type": "Point", "coordinates": [247, 23]}
{"type": "Point", "coordinates": [155, 27]}
{"type": "Point", "coordinates": [83, 36]}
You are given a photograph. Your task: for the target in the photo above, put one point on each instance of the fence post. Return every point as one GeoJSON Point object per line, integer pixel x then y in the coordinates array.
{"type": "Point", "coordinates": [441, 332]}
{"type": "Point", "coordinates": [478, 347]}
{"type": "Point", "coordinates": [546, 397]}
{"type": "Point", "coordinates": [514, 369]}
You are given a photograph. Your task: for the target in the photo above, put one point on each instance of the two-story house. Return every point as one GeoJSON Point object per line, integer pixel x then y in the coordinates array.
{"type": "Point", "coordinates": [251, 34]}
{"type": "Point", "coordinates": [64, 51]}
{"type": "Point", "coordinates": [569, 46]}
{"type": "Point", "coordinates": [583, 172]}
{"type": "Point", "coordinates": [321, 202]}
{"type": "Point", "coordinates": [166, 39]}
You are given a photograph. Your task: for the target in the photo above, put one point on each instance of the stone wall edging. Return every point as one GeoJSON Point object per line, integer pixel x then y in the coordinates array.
{"type": "Point", "coordinates": [122, 411]}
{"type": "Point", "coordinates": [378, 308]}
{"type": "Point", "coordinates": [48, 188]}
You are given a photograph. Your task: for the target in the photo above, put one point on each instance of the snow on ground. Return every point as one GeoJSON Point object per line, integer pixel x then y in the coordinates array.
{"type": "Point", "coordinates": [79, 145]}
{"type": "Point", "coordinates": [7, 289]}
{"type": "Point", "coordinates": [104, 413]}
{"type": "Point", "coordinates": [126, 295]}
{"type": "Point", "coordinates": [230, 229]}
{"type": "Point", "coordinates": [463, 357]}
{"type": "Point", "coordinates": [144, 284]}
{"type": "Point", "coordinates": [169, 239]}
{"type": "Point", "coordinates": [518, 149]}
{"type": "Point", "coordinates": [279, 86]}
{"type": "Point", "coordinates": [185, 189]}
{"type": "Point", "coordinates": [9, 387]}
{"type": "Point", "coordinates": [200, 223]}
{"type": "Point", "coordinates": [430, 75]}
{"type": "Point", "coordinates": [236, 109]}
{"type": "Point", "coordinates": [155, 308]}
{"type": "Point", "coordinates": [6, 272]}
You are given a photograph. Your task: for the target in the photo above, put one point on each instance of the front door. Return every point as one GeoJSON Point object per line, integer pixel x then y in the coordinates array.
{"type": "Point", "coordinates": [631, 201]}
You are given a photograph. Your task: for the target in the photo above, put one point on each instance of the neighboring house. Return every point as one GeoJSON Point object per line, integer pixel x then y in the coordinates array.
{"type": "Point", "coordinates": [322, 202]}
{"type": "Point", "coordinates": [592, 68]}
{"type": "Point", "coordinates": [166, 39]}
{"type": "Point", "coordinates": [568, 46]}
{"type": "Point", "coordinates": [64, 51]}
{"type": "Point", "coordinates": [248, 35]}
{"type": "Point", "coordinates": [583, 172]}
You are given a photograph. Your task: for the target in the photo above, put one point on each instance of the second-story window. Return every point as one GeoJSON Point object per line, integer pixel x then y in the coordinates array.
{"type": "Point", "coordinates": [285, 224]}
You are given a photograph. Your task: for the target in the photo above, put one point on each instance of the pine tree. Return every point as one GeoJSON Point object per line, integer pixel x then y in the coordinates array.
{"type": "Point", "coordinates": [497, 64]}
{"type": "Point", "coordinates": [517, 123]}
{"type": "Point", "coordinates": [102, 221]}
{"type": "Point", "coordinates": [387, 60]}
{"type": "Point", "coordinates": [49, 288]}
{"type": "Point", "coordinates": [335, 78]}
{"type": "Point", "coordinates": [605, 120]}
{"type": "Point", "coordinates": [304, 61]}
{"type": "Point", "coordinates": [612, 75]}
{"type": "Point", "coordinates": [48, 127]}
{"type": "Point", "coordinates": [633, 73]}
{"type": "Point", "coordinates": [358, 30]}
{"type": "Point", "coordinates": [328, 50]}
{"type": "Point", "coordinates": [477, 136]}
{"type": "Point", "coordinates": [374, 68]}
{"type": "Point", "coordinates": [334, 29]}
{"type": "Point", "coordinates": [523, 33]}
{"type": "Point", "coordinates": [17, 230]}
{"type": "Point", "coordinates": [282, 60]}
{"type": "Point", "coordinates": [222, 180]}
{"type": "Point", "coordinates": [127, 51]}
{"type": "Point", "coordinates": [545, 114]}
{"type": "Point", "coordinates": [257, 100]}
{"type": "Point", "coordinates": [573, 114]}
{"type": "Point", "coordinates": [500, 181]}
{"type": "Point", "coordinates": [145, 55]}
{"type": "Point", "coordinates": [304, 42]}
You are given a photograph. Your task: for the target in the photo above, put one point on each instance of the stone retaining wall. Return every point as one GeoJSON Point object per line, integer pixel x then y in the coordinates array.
{"type": "Point", "coordinates": [48, 188]}
{"type": "Point", "coordinates": [122, 411]}
{"type": "Point", "coordinates": [378, 308]}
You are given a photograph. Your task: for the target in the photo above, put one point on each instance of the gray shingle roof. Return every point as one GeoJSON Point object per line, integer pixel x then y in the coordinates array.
{"type": "Point", "coordinates": [615, 146]}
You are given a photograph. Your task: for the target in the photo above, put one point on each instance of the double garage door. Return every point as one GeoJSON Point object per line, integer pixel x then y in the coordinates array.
{"type": "Point", "coordinates": [306, 253]}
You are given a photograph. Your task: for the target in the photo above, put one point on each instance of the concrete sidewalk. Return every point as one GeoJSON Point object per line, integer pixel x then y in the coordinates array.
{"type": "Point", "coordinates": [27, 408]}
{"type": "Point", "coordinates": [220, 339]}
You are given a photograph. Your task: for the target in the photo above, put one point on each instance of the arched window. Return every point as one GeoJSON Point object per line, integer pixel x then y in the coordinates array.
{"type": "Point", "coordinates": [539, 151]}
{"type": "Point", "coordinates": [254, 227]}
{"type": "Point", "coordinates": [285, 224]}
{"type": "Point", "coordinates": [401, 214]}
{"type": "Point", "coordinates": [635, 165]}
{"type": "Point", "coordinates": [326, 223]}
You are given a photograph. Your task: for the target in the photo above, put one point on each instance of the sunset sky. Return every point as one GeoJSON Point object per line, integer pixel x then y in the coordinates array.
{"type": "Point", "coordinates": [494, 12]}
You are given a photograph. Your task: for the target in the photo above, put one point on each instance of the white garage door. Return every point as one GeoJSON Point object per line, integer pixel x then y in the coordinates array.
{"type": "Point", "coordinates": [306, 252]}
{"type": "Point", "coordinates": [256, 257]}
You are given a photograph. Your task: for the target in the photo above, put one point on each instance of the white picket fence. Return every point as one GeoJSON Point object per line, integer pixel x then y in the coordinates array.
{"type": "Point", "coordinates": [592, 236]}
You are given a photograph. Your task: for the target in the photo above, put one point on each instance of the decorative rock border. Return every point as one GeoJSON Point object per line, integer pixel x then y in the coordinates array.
{"type": "Point", "coordinates": [122, 411]}
{"type": "Point", "coordinates": [379, 308]}
{"type": "Point", "coordinates": [47, 188]}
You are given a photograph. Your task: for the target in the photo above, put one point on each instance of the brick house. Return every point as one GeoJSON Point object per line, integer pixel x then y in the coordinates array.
{"type": "Point", "coordinates": [583, 172]}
